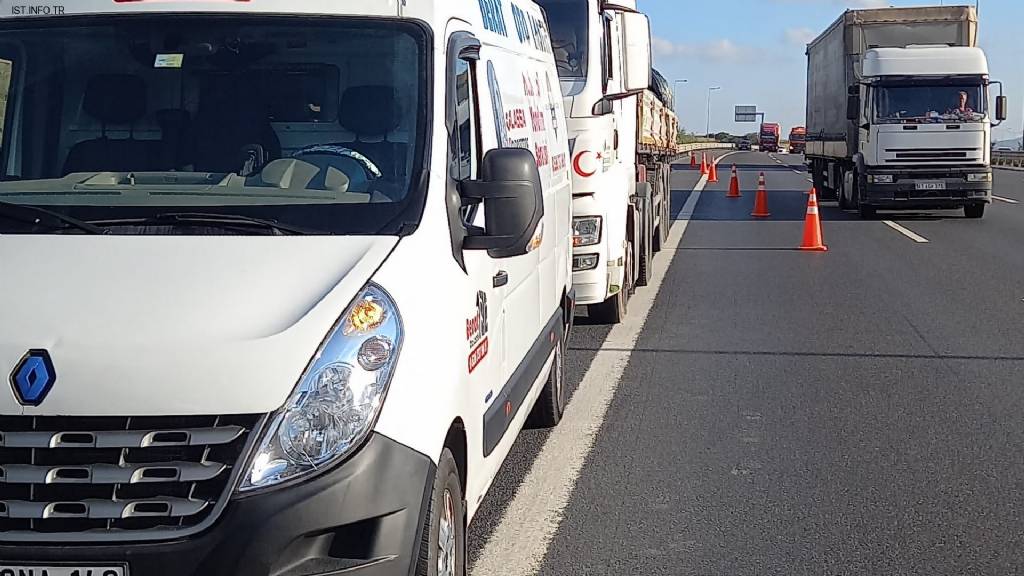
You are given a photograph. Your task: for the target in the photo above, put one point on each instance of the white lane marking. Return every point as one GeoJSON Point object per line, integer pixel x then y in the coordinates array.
{"type": "Point", "coordinates": [908, 233]}
{"type": "Point", "coordinates": [1007, 200]}
{"type": "Point", "coordinates": [520, 542]}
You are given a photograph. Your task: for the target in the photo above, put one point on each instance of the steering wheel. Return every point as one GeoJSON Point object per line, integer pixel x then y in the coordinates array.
{"type": "Point", "coordinates": [339, 151]}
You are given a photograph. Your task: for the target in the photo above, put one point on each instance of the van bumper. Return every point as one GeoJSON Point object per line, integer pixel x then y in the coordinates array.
{"type": "Point", "coordinates": [363, 518]}
{"type": "Point", "coordinates": [903, 193]}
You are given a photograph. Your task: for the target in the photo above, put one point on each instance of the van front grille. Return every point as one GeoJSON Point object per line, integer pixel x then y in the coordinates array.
{"type": "Point", "coordinates": [123, 475]}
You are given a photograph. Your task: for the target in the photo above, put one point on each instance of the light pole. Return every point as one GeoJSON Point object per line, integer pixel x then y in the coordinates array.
{"type": "Point", "coordinates": [707, 128]}
{"type": "Point", "coordinates": [675, 90]}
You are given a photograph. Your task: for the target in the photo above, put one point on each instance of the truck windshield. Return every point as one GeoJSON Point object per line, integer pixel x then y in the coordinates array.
{"type": "Point", "coordinates": [930, 104]}
{"type": "Point", "coordinates": [122, 121]}
{"type": "Point", "coordinates": [568, 20]}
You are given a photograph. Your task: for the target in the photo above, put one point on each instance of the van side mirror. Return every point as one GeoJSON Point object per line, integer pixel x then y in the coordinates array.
{"type": "Point", "coordinates": [510, 189]}
{"type": "Point", "coordinates": [636, 32]}
{"type": "Point", "coordinates": [853, 107]}
{"type": "Point", "coordinates": [1001, 105]}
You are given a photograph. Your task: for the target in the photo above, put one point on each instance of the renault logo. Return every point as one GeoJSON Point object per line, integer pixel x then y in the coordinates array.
{"type": "Point", "coordinates": [33, 377]}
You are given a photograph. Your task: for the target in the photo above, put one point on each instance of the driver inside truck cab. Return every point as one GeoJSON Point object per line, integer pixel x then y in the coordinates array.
{"type": "Point", "coordinates": [962, 104]}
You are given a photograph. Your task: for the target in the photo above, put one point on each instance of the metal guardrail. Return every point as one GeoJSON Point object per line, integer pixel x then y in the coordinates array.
{"type": "Point", "coordinates": [683, 148]}
{"type": "Point", "coordinates": [1008, 159]}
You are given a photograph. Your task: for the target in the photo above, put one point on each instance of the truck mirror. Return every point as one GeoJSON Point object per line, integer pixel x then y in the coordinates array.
{"type": "Point", "coordinates": [1001, 108]}
{"type": "Point", "coordinates": [510, 189]}
{"type": "Point", "coordinates": [853, 107]}
{"type": "Point", "coordinates": [636, 31]}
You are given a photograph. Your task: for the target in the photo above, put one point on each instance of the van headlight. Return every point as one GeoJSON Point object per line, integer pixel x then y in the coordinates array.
{"type": "Point", "coordinates": [880, 178]}
{"type": "Point", "coordinates": [980, 177]}
{"type": "Point", "coordinates": [337, 400]}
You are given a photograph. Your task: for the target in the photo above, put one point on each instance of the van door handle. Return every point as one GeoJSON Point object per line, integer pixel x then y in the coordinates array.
{"type": "Point", "coordinates": [500, 279]}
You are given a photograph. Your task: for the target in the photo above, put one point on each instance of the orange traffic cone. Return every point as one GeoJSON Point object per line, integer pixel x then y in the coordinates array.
{"type": "Point", "coordinates": [761, 201]}
{"type": "Point", "coordinates": [734, 185]}
{"type": "Point", "coordinates": [713, 172]}
{"type": "Point", "coordinates": [812, 226]}
{"type": "Point", "coordinates": [704, 164]}
{"type": "Point", "coordinates": [693, 160]}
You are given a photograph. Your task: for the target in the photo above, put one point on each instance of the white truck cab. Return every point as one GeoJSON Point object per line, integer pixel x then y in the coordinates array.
{"type": "Point", "coordinates": [925, 128]}
{"type": "Point", "coordinates": [283, 280]}
{"type": "Point", "coordinates": [603, 54]}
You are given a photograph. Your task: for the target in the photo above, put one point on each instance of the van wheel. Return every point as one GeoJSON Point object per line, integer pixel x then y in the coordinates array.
{"type": "Point", "coordinates": [974, 211]}
{"type": "Point", "coordinates": [614, 309]}
{"type": "Point", "coordinates": [550, 406]}
{"type": "Point", "coordinates": [443, 549]}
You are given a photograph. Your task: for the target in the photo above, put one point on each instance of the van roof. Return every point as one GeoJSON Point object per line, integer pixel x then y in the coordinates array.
{"type": "Point", "coordinates": [517, 25]}
{"type": "Point", "coordinates": [424, 9]}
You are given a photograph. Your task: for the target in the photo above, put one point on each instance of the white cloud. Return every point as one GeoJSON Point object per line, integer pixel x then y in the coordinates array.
{"type": "Point", "coordinates": [799, 36]}
{"type": "Point", "coordinates": [721, 50]}
{"type": "Point", "coordinates": [846, 3]}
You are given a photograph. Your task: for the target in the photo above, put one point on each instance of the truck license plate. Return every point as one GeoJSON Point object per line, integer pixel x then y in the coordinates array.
{"type": "Point", "coordinates": [69, 570]}
{"type": "Point", "coordinates": [931, 185]}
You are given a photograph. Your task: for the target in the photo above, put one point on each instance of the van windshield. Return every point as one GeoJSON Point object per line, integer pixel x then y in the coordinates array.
{"type": "Point", "coordinates": [121, 121]}
{"type": "Point", "coordinates": [930, 104]}
{"type": "Point", "coordinates": [568, 20]}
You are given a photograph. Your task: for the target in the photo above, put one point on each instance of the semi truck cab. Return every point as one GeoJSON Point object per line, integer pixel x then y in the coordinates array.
{"type": "Point", "coordinates": [924, 130]}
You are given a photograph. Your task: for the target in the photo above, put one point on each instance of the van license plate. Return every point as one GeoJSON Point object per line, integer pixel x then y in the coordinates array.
{"type": "Point", "coordinates": [931, 185]}
{"type": "Point", "coordinates": [69, 570]}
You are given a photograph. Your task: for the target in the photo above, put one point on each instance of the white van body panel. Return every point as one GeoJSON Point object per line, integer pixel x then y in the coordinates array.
{"type": "Point", "coordinates": [132, 320]}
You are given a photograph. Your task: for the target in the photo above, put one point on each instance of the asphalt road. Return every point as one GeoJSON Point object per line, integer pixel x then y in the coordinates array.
{"type": "Point", "coordinates": [859, 411]}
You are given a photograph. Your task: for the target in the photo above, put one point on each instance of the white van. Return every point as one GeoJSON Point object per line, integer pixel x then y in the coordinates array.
{"type": "Point", "coordinates": [280, 280]}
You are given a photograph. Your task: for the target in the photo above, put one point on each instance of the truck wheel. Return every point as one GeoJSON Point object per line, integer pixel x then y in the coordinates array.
{"type": "Point", "coordinates": [661, 237]}
{"type": "Point", "coordinates": [443, 549]}
{"type": "Point", "coordinates": [614, 309]}
{"type": "Point", "coordinates": [974, 211]}
{"type": "Point", "coordinates": [646, 256]}
{"type": "Point", "coordinates": [550, 406]}
{"type": "Point", "coordinates": [818, 177]}
{"type": "Point", "coordinates": [841, 194]}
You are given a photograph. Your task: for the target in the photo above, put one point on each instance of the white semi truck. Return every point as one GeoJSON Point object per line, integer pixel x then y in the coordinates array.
{"type": "Point", "coordinates": [914, 87]}
{"type": "Point", "coordinates": [620, 158]}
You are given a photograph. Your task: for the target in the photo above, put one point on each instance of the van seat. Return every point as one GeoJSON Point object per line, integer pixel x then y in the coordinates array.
{"type": "Point", "coordinates": [114, 100]}
{"type": "Point", "coordinates": [372, 113]}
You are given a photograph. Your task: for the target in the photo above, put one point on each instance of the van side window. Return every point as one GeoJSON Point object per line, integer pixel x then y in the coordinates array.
{"type": "Point", "coordinates": [464, 147]}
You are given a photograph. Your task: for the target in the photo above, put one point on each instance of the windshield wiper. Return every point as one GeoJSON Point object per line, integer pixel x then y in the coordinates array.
{"type": "Point", "coordinates": [11, 209]}
{"type": "Point", "coordinates": [212, 220]}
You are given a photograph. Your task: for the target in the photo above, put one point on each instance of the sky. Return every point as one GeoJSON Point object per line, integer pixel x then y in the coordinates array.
{"type": "Point", "coordinates": [754, 51]}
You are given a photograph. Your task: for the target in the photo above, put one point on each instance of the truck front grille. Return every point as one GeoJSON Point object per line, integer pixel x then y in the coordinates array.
{"type": "Point", "coordinates": [121, 477]}
{"type": "Point", "coordinates": [915, 156]}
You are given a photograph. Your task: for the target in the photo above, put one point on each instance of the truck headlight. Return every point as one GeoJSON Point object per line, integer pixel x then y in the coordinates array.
{"type": "Point", "coordinates": [586, 231]}
{"type": "Point", "coordinates": [881, 178]}
{"type": "Point", "coordinates": [982, 177]}
{"type": "Point", "coordinates": [337, 400]}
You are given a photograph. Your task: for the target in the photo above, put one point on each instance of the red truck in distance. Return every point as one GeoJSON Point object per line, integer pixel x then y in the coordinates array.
{"type": "Point", "coordinates": [798, 140]}
{"type": "Point", "coordinates": [769, 137]}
